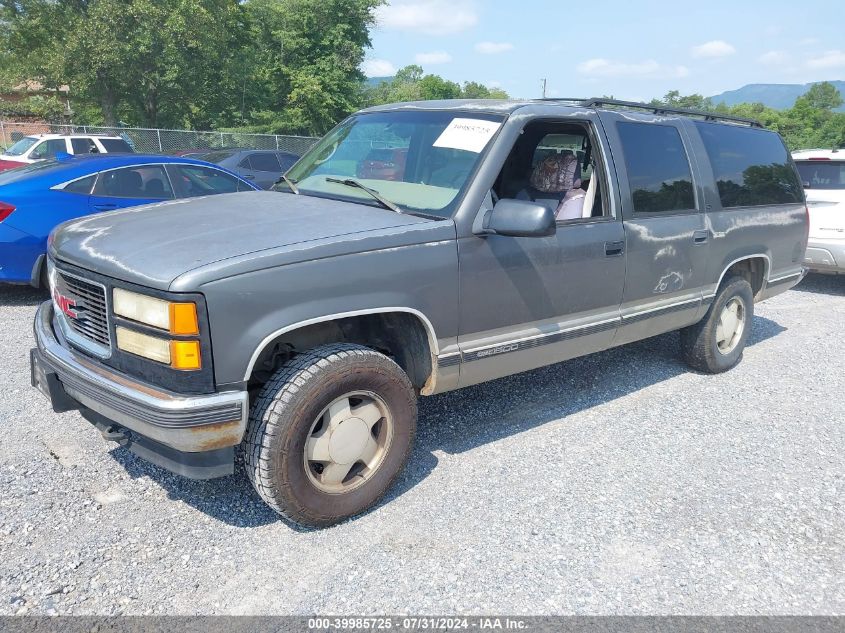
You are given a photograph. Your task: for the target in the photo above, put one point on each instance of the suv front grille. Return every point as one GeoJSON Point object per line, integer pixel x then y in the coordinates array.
{"type": "Point", "coordinates": [83, 307]}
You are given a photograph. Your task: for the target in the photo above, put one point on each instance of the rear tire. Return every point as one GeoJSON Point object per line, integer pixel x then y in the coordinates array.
{"type": "Point", "coordinates": [715, 344]}
{"type": "Point", "coordinates": [329, 433]}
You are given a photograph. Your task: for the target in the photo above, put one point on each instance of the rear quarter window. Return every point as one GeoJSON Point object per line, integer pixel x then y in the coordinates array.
{"type": "Point", "coordinates": [751, 166]}
{"type": "Point", "coordinates": [115, 145]}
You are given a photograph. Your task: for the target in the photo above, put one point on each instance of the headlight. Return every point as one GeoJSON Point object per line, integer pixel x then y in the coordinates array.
{"type": "Point", "coordinates": [176, 318]}
{"type": "Point", "coordinates": [177, 354]}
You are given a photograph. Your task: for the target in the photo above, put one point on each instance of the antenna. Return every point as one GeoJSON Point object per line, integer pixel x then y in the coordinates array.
{"type": "Point", "coordinates": [543, 83]}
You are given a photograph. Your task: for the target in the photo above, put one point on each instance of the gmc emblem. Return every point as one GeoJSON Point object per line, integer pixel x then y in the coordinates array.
{"type": "Point", "coordinates": [65, 305]}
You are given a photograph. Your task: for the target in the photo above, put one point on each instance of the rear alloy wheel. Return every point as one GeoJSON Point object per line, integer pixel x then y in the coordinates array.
{"type": "Point", "coordinates": [730, 326]}
{"type": "Point", "coordinates": [329, 433]}
{"type": "Point", "coordinates": [715, 344]}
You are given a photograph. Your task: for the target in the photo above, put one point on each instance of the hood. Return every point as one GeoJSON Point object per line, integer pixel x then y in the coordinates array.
{"type": "Point", "coordinates": [151, 245]}
{"type": "Point", "coordinates": [9, 163]}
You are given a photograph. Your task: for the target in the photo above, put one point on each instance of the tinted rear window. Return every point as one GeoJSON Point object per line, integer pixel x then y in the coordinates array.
{"type": "Point", "coordinates": [751, 166]}
{"type": "Point", "coordinates": [822, 174]}
{"type": "Point", "coordinates": [115, 145]}
{"type": "Point", "coordinates": [658, 168]}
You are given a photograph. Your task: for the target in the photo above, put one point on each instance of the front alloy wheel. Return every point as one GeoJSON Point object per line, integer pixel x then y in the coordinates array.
{"type": "Point", "coordinates": [348, 442]}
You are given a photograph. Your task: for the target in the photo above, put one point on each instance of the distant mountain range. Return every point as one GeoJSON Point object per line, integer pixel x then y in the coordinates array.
{"type": "Point", "coordinates": [372, 82]}
{"type": "Point", "coordinates": [778, 96]}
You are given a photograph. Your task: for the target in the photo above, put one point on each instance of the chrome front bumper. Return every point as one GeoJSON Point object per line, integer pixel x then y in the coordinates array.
{"type": "Point", "coordinates": [188, 424]}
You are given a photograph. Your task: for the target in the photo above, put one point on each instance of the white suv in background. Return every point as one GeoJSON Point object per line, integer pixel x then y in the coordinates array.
{"type": "Point", "coordinates": [823, 175]}
{"type": "Point", "coordinates": [37, 147]}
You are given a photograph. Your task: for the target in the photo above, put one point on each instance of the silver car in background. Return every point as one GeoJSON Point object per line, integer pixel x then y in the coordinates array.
{"type": "Point", "coordinates": [823, 175]}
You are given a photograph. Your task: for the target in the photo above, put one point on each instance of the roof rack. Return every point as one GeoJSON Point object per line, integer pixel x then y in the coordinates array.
{"type": "Point", "coordinates": [596, 102]}
{"type": "Point", "coordinates": [659, 109]}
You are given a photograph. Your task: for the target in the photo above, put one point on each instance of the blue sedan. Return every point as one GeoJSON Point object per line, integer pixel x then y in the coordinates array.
{"type": "Point", "coordinates": [37, 197]}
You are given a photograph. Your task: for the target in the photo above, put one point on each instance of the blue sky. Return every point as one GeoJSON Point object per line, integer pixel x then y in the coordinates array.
{"type": "Point", "coordinates": [635, 49]}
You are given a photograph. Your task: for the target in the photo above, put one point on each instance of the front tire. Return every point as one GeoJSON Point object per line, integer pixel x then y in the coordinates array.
{"type": "Point", "coordinates": [329, 433]}
{"type": "Point", "coordinates": [715, 344]}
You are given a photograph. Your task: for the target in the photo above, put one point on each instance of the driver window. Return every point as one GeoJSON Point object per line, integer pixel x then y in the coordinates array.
{"type": "Point", "coordinates": [48, 149]}
{"type": "Point", "coordinates": [553, 164]}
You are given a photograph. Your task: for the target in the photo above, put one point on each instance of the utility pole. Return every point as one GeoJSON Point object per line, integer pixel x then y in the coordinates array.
{"type": "Point", "coordinates": [543, 83]}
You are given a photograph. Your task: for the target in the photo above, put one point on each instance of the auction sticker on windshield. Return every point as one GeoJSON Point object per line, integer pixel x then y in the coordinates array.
{"type": "Point", "coordinates": [470, 135]}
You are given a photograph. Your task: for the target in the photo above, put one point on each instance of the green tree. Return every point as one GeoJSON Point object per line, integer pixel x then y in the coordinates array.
{"type": "Point", "coordinates": [306, 66]}
{"type": "Point", "coordinates": [822, 96]}
{"type": "Point", "coordinates": [412, 84]}
{"type": "Point", "coordinates": [151, 62]}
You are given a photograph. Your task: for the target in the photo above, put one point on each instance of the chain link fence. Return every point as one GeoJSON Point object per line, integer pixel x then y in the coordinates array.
{"type": "Point", "coordinates": [156, 141]}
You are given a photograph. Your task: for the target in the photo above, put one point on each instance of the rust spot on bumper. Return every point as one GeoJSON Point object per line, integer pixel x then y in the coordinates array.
{"type": "Point", "coordinates": [213, 436]}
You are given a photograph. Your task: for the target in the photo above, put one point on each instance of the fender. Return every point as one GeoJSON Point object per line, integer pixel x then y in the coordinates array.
{"type": "Point", "coordinates": [429, 328]}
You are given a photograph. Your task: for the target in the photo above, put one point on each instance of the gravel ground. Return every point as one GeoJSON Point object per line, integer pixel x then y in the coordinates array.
{"type": "Point", "coordinates": [618, 483]}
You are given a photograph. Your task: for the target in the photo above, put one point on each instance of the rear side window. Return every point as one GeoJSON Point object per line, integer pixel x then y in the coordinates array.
{"type": "Point", "coordinates": [83, 185]}
{"type": "Point", "coordinates": [147, 182]}
{"type": "Point", "coordinates": [751, 166]}
{"type": "Point", "coordinates": [116, 145]}
{"type": "Point", "coordinates": [82, 145]}
{"type": "Point", "coordinates": [658, 168]}
{"type": "Point", "coordinates": [265, 162]}
{"type": "Point", "coordinates": [822, 174]}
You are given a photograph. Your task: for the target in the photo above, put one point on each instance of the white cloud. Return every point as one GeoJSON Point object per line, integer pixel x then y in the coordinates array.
{"type": "Point", "coordinates": [711, 50]}
{"type": "Point", "coordinates": [648, 69]}
{"type": "Point", "coordinates": [492, 48]}
{"type": "Point", "coordinates": [436, 57]}
{"type": "Point", "coordinates": [830, 59]}
{"type": "Point", "coordinates": [773, 58]}
{"type": "Point", "coordinates": [378, 68]}
{"type": "Point", "coordinates": [432, 17]}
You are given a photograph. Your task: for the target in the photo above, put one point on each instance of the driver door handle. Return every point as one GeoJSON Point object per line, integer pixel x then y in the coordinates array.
{"type": "Point", "coordinates": [700, 237]}
{"type": "Point", "coordinates": [614, 249]}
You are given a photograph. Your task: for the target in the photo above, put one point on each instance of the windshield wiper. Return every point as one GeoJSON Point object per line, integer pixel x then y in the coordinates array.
{"type": "Point", "coordinates": [290, 183]}
{"type": "Point", "coordinates": [351, 182]}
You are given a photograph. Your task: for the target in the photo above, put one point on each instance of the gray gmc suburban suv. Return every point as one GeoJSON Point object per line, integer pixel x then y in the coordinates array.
{"type": "Point", "coordinates": [298, 326]}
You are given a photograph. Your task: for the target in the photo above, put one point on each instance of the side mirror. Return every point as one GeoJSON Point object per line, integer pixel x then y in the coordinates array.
{"type": "Point", "coordinates": [519, 218]}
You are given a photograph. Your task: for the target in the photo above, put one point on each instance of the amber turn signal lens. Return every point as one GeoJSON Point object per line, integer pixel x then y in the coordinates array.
{"type": "Point", "coordinates": [185, 355]}
{"type": "Point", "coordinates": [183, 319]}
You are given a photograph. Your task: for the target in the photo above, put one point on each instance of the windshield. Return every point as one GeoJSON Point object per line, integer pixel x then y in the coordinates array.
{"type": "Point", "coordinates": [420, 161]}
{"type": "Point", "coordinates": [822, 174]}
{"type": "Point", "coordinates": [21, 146]}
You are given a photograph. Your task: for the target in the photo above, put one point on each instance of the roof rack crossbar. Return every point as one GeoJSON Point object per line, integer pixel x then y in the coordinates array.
{"type": "Point", "coordinates": [660, 109]}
